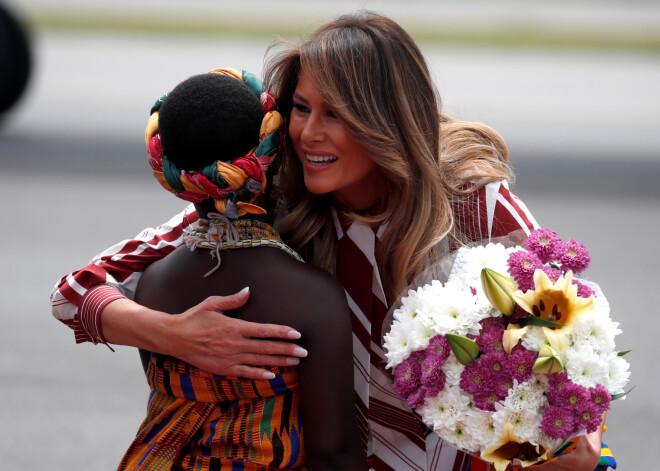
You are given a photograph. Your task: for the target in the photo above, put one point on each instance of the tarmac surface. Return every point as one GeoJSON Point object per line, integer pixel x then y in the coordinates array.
{"type": "Point", "coordinates": [582, 128]}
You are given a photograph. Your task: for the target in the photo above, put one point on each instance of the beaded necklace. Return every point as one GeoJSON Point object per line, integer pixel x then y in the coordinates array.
{"type": "Point", "coordinates": [217, 232]}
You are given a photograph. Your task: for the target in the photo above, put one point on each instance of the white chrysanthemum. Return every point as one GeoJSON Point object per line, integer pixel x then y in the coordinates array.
{"type": "Point", "coordinates": [460, 436]}
{"type": "Point", "coordinates": [585, 367]}
{"type": "Point", "coordinates": [618, 374]}
{"type": "Point", "coordinates": [450, 310]}
{"type": "Point", "coordinates": [525, 396]}
{"type": "Point", "coordinates": [397, 342]}
{"type": "Point", "coordinates": [481, 426]}
{"type": "Point", "coordinates": [525, 422]}
{"type": "Point", "coordinates": [470, 261]}
{"type": "Point", "coordinates": [597, 331]}
{"type": "Point", "coordinates": [409, 307]}
{"type": "Point", "coordinates": [534, 339]}
{"type": "Point", "coordinates": [539, 382]}
{"type": "Point", "coordinates": [552, 443]}
{"type": "Point", "coordinates": [453, 370]}
{"type": "Point", "coordinates": [445, 409]}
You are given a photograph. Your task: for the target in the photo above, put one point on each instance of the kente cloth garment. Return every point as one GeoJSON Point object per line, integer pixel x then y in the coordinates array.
{"type": "Point", "coordinates": [197, 421]}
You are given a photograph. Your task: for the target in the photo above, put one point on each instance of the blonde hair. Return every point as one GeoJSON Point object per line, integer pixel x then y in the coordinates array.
{"type": "Point", "coordinates": [373, 76]}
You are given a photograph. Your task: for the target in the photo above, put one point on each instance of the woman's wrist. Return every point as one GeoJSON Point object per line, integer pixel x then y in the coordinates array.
{"type": "Point", "coordinates": [125, 322]}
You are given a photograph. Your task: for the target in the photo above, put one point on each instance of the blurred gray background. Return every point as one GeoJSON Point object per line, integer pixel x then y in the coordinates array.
{"type": "Point", "coordinates": [574, 88]}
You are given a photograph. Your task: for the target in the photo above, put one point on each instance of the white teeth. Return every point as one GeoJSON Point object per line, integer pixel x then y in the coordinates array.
{"type": "Point", "coordinates": [320, 159]}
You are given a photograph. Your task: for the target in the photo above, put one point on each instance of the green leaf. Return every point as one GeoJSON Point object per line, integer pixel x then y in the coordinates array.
{"type": "Point", "coordinates": [623, 353]}
{"type": "Point", "coordinates": [465, 349]}
{"type": "Point", "coordinates": [537, 321]}
{"type": "Point", "coordinates": [620, 395]}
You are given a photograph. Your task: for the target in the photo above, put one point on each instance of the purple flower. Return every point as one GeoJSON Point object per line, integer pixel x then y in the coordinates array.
{"type": "Point", "coordinates": [600, 397]}
{"type": "Point", "coordinates": [556, 382]}
{"type": "Point", "coordinates": [583, 291]}
{"type": "Point", "coordinates": [518, 314]}
{"type": "Point", "coordinates": [494, 362]}
{"type": "Point", "coordinates": [558, 422]}
{"type": "Point", "coordinates": [572, 256]}
{"type": "Point", "coordinates": [588, 417]}
{"type": "Point", "coordinates": [473, 378]}
{"type": "Point", "coordinates": [407, 377]}
{"type": "Point", "coordinates": [522, 265]}
{"type": "Point", "coordinates": [439, 346]}
{"type": "Point", "coordinates": [485, 400]}
{"type": "Point", "coordinates": [572, 396]}
{"type": "Point", "coordinates": [520, 364]}
{"type": "Point", "coordinates": [542, 242]}
{"type": "Point", "coordinates": [434, 390]}
{"type": "Point", "coordinates": [416, 399]}
{"type": "Point", "coordinates": [432, 373]}
{"type": "Point", "coordinates": [490, 335]}
{"type": "Point", "coordinates": [553, 273]}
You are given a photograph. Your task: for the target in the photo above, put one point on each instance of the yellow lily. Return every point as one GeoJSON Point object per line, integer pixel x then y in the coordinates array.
{"type": "Point", "coordinates": [513, 450]}
{"type": "Point", "coordinates": [556, 302]}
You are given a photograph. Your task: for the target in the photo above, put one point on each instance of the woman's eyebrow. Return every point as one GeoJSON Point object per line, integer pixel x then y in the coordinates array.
{"type": "Point", "coordinates": [299, 97]}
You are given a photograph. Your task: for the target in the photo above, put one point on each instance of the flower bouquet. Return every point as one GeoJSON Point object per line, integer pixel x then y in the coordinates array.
{"type": "Point", "coordinates": [508, 367]}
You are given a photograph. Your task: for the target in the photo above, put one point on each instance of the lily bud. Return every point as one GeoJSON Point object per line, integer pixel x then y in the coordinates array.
{"type": "Point", "coordinates": [498, 289]}
{"type": "Point", "coordinates": [465, 350]}
{"type": "Point", "coordinates": [548, 361]}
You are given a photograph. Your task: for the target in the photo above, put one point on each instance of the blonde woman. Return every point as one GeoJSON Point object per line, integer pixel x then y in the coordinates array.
{"type": "Point", "coordinates": [375, 184]}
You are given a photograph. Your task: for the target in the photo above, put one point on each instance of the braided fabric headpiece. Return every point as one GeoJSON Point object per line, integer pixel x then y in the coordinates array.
{"type": "Point", "coordinates": [233, 184]}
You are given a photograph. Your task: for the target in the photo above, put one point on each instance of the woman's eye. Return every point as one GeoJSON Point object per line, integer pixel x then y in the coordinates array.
{"type": "Point", "coordinates": [300, 108]}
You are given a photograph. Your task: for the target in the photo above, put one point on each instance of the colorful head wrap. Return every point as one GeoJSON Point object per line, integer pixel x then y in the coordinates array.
{"type": "Point", "coordinates": [233, 184]}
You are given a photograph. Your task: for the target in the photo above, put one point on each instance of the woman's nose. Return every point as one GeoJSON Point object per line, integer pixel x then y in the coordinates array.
{"type": "Point", "coordinates": [312, 130]}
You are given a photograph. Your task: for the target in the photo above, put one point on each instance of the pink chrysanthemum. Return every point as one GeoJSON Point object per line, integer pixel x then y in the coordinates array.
{"type": "Point", "coordinates": [542, 242]}
{"type": "Point", "coordinates": [572, 396]}
{"type": "Point", "coordinates": [485, 400]}
{"type": "Point", "coordinates": [520, 364]}
{"type": "Point", "coordinates": [432, 370]}
{"type": "Point", "coordinates": [556, 382]}
{"type": "Point", "coordinates": [439, 346]}
{"type": "Point", "coordinates": [583, 290]}
{"type": "Point", "coordinates": [522, 265]}
{"type": "Point", "coordinates": [558, 423]}
{"type": "Point", "coordinates": [473, 378]}
{"type": "Point", "coordinates": [573, 256]}
{"type": "Point", "coordinates": [588, 417]}
{"type": "Point", "coordinates": [600, 397]}
{"type": "Point", "coordinates": [552, 273]}
{"type": "Point", "coordinates": [416, 399]}
{"type": "Point", "coordinates": [407, 377]}
{"type": "Point", "coordinates": [494, 362]}
{"type": "Point", "coordinates": [492, 342]}
{"type": "Point", "coordinates": [434, 390]}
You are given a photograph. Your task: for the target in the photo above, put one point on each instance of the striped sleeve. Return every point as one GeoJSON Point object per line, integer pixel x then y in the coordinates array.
{"type": "Point", "coordinates": [79, 297]}
{"type": "Point", "coordinates": [491, 211]}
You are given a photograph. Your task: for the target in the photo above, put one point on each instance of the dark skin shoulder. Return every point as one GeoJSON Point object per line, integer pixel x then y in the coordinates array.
{"type": "Point", "coordinates": [283, 291]}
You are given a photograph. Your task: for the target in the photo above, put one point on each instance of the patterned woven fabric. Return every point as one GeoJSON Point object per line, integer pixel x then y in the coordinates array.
{"type": "Point", "coordinates": [197, 421]}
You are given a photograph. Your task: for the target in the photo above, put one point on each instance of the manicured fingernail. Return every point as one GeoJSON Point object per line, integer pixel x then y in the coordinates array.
{"type": "Point", "coordinates": [269, 375]}
{"type": "Point", "coordinates": [244, 291]}
{"type": "Point", "coordinates": [300, 352]}
{"type": "Point", "coordinates": [293, 334]}
{"type": "Point", "coordinates": [292, 361]}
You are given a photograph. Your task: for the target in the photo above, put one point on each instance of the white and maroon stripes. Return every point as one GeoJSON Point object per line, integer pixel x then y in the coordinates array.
{"type": "Point", "coordinates": [120, 266]}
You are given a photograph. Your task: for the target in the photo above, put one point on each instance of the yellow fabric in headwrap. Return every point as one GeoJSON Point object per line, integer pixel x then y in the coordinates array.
{"type": "Point", "coordinates": [152, 128]}
{"type": "Point", "coordinates": [232, 174]}
{"type": "Point", "coordinates": [229, 71]}
{"type": "Point", "coordinates": [272, 121]}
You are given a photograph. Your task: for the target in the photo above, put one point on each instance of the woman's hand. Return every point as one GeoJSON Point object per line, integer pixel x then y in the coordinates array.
{"type": "Point", "coordinates": [204, 337]}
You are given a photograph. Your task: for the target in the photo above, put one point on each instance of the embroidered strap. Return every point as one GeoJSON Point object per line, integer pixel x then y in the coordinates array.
{"type": "Point", "coordinates": [234, 184]}
{"type": "Point", "coordinates": [219, 233]}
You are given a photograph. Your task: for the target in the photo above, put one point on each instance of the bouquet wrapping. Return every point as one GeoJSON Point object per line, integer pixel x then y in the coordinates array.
{"type": "Point", "coordinates": [504, 353]}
